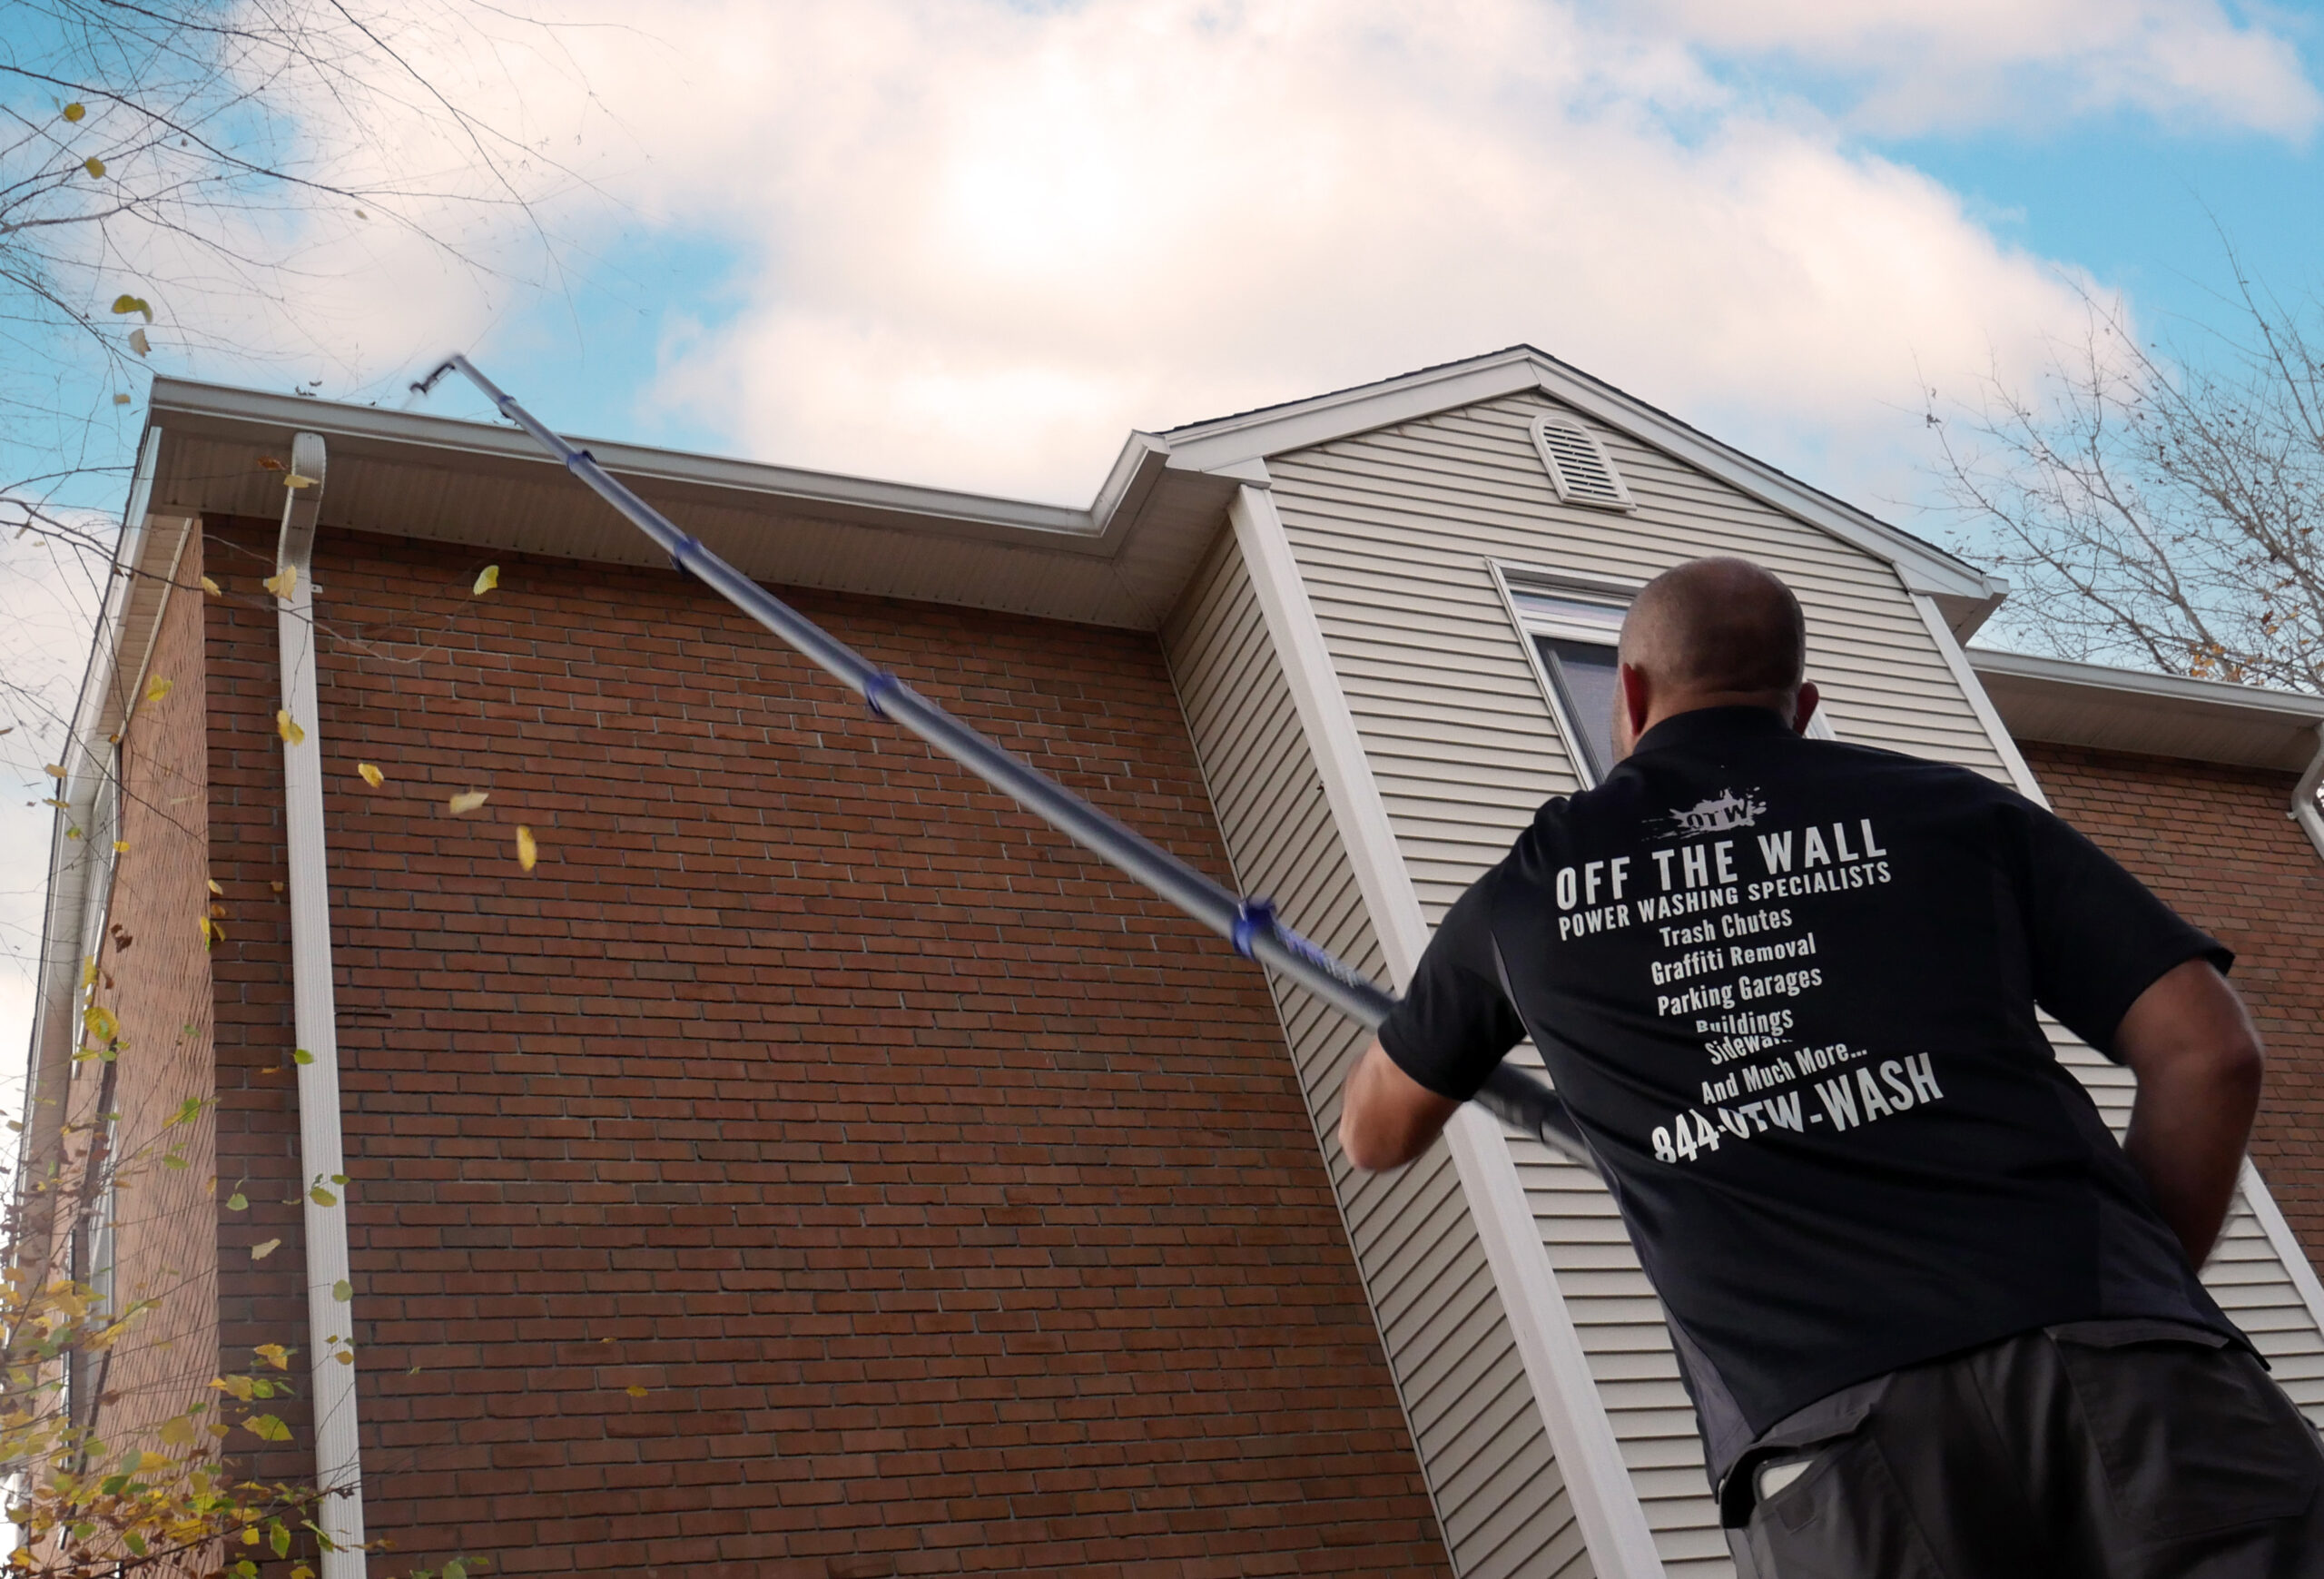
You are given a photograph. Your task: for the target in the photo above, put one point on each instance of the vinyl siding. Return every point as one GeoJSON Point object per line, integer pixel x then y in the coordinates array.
{"type": "Point", "coordinates": [1482, 1448]}
{"type": "Point", "coordinates": [1393, 532]}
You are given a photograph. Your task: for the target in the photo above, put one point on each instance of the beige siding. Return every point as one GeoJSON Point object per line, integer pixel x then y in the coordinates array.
{"type": "Point", "coordinates": [1481, 1439]}
{"type": "Point", "coordinates": [1393, 532]}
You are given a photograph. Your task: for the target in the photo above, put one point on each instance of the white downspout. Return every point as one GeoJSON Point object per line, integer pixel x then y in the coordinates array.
{"type": "Point", "coordinates": [2304, 808]}
{"type": "Point", "coordinates": [330, 1309]}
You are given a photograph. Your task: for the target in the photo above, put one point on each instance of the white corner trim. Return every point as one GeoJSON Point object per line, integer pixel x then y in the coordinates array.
{"type": "Point", "coordinates": [1598, 1482]}
{"type": "Point", "coordinates": [2304, 810]}
{"type": "Point", "coordinates": [1988, 717]}
{"type": "Point", "coordinates": [2281, 1238]}
{"type": "Point", "coordinates": [330, 1320]}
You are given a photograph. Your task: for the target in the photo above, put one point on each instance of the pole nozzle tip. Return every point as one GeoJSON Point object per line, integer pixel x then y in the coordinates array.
{"type": "Point", "coordinates": [423, 386]}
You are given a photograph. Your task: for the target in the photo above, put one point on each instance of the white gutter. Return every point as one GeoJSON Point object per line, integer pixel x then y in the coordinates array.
{"type": "Point", "coordinates": [1598, 1483]}
{"type": "Point", "coordinates": [70, 893]}
{"type": "Point", "coordinates": [330, 1309]}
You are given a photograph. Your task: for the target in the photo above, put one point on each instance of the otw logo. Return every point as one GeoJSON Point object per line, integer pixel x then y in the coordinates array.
{"type": "Point", "coordinates": [1728, 810]}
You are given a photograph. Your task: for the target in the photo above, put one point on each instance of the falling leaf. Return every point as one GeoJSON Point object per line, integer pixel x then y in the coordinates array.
{"type": "Point", "coordinates": [238, 1202]}
{"type": "Point", "coordinates": [467, 801]}
{"type": "Point", "coordinates": [158, 687]}
{"type": "Point", "coordinates": [212, 588]}
{"type": "Point", "coordinates": [288, 727]}
{"type": "Point", "coordinates": [268, 1428]}
{"type": "Point", "coordinates": [342, 1290]}
{"type": "Point", "coordinates": [95, 166]}
{"type": "Point", "coordinates": [126, 303]}
{"type": "Point", "coordinates": [360, 215]}
{"type": "Point", "coordinates": [293, 479]}
{"type": "Point", "coordinates": [60, 805]}
{"type": "Point", "coordinates": [455, 1569]}
{"type": "Point", "coordinates": [283, 582]}
{"type": "Point", "coordinates": [259, 1252]}
{"type": "Point", "coordinates": [322, 1197]}
{"type": "Point", "coordinates": [121, 400]}
{"type": "Point", "coordinates": [89, 972]}
{"type": "Point", "coordinates": [370, 774]}
{"type": "Point", "coordinates": [121, 846]}
{"type": "Point", "coordinates": [301, 1055]}
{"type": "Point", "coordinates": [635, 1391]}
{"type": "Point", "coordinates": [273, 1354]}
{"type": "Point", "coordinates": [528, 852]}
{"type": "Point", "coordinates": [75, 109]}
{"type": "Point", "coordinates": [486, 580]}
{"type": "Point", "coordinates": [54, 771]}
{"type": "Point", "coordinates": [268, 463]}
{"type": "Point", "coordinates": [139, 343]}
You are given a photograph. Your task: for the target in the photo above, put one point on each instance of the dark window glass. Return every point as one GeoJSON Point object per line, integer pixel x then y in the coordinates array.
{"type": "Point", "coordinates": [1583, 672]}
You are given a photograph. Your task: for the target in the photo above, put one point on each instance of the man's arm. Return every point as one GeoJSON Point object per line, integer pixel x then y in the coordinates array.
{"type": "Point", "coordinates": [2198, 1062]}
{"type": "Point", "coordinates": [1386, 1117]}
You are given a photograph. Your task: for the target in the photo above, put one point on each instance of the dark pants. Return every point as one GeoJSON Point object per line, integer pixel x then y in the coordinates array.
{"type": "Point", "coordinates": [2102, 1450]}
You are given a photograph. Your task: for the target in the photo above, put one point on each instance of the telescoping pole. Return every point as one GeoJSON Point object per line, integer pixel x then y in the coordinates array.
{"type": "Point", "coordinates": [1513, 1095]}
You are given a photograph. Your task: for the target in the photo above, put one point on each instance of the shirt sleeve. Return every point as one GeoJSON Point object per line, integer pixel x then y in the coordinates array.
{"type": "Point", "coordinates": [1455, 1022]}
{"type": "Point", "coordinates": [2098, 936]}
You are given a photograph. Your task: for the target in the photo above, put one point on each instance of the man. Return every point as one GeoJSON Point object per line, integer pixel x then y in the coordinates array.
{"type": "Point", "coordinates": [1936, 1322]}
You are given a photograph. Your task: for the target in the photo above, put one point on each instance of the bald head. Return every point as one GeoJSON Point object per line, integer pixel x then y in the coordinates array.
{"type": "Point", "coordinates": [1720, 628]}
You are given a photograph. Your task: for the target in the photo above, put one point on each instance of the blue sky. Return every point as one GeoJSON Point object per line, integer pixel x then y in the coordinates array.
{"type": "Point", "coordinates": [973, 243]}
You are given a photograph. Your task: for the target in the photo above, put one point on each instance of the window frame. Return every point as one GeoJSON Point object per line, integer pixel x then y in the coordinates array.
{"type": "Point", "coordinates": [1513, 582]}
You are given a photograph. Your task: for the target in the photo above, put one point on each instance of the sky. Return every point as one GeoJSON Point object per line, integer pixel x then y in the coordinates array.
{"type": "Point", "coordinates": [975, 244]}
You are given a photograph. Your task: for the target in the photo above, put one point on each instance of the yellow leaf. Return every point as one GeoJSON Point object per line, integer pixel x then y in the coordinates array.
{"type": "Point", "coordinates": [486, 580]}
{"type": "Point", "coordinates": [89, 972]}
{"type": "Point", "coordinates": [635, 1391]}
{"type": "Point", "coordinates": [54, 771]}
{"type": "Point", "coordinates": [121, 846]}
{"type": "Point", "coordinates": [95, 166]}
{"type": "Point", "coordinates": [273, 1354]}
{"type": "Point", "coordinates": [177, 1432]}
{"type": "Point", "coordinates": [52, 801]}
{"type": "Point", "coordinates": [139, 343]}
{"type": "Point", "coordinates": [158, 687]}
{"type": "Point", "coordinates": [238, 1202]}
{"type": "Point", "coordinates": [212, 588]}
{"type": "Point", "coordinates": [467, 801]}
{"type": "Point", "coordinates": [322, 1197]}
{"type": "Point", "coordinates": [269, 1428]}
{"type": "Point", "coordinates": [127, 303]}
{"type": "Point", "coordinates": [259, 1252]}
{"type": "Point", "coordinates": [101, 1023]}
{"type": "Point", "coordinates": [301, 1055]}
{"type": "Point", "coordinates": [120, 400]}
{"type": "Point", "coordinates": [283, 582]}
{"type": "Point", "coordinates": [75, 109]}
{"type": "Point", "coordinates": [370, 774]}
{"type": "Point", "coordinates": [288, 727]}
{"type": "Point", "coordinates": [215, 888]}
{"type": "Point", "coordinates": [342, 1290]}
{"type": "Point", "coordinates": [528, 852]}
{"type": "Point", "coordinates": [293, 479]}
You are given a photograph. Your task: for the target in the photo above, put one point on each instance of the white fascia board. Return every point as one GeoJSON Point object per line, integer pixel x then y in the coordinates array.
{"type": "Point", "coordinates": [1598, 1482]}
{"type": "Point", "coordinates": [2065, 673]}
{"type": "Point", "coordinates": [1304, 424]}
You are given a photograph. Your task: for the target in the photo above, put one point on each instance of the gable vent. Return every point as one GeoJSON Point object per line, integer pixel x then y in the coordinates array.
{"type": "Point", "coordinates": [1578, 466]}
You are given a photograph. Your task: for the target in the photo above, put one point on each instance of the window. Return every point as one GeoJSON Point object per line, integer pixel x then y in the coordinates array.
{"type": "Point", "coordinates": [1577, 465]}
{"type": "Point", "coordinates": [1574, 638]}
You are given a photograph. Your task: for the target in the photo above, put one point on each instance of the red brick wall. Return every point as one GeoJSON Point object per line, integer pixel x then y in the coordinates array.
{"type": "Point", "coordinates": [2214, 841]}
{"type": "Point", "coordinates": [157, 979]}
{"type": "Point", "coordinates": [949, 1203]}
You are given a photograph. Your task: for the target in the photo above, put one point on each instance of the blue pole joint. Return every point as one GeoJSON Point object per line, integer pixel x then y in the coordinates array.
{"type": "Point", "coordinates": [1252, 917]}
{"type": "Point", "coordinates": [880, 685]}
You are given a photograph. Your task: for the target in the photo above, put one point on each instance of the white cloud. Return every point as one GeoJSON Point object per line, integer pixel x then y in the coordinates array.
{"type": "Point", "coordinates": [991, 241]}
{"type": "Point", "coordinates": [1966, 63]}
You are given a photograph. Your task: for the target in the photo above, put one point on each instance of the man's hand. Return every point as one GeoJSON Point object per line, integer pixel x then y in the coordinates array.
{"type": "Point", "coordinates": [2198, 1062]}
{"type": "Point", "coordinates": [1386, 1117]}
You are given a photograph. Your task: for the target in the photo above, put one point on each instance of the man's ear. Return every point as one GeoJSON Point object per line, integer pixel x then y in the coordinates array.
{"type": "Point", "coordinates": [1805, 707]}
{"type": "Point", "coordinates": [1633, 702]}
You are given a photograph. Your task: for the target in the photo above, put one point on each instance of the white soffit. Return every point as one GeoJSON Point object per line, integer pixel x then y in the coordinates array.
{"type": "Point", "coordinates": [1121, 562]}
{"type": "Point", "coordinates": [1965, 594]}
{"type": "Point", "coordinates": [2111, 709]}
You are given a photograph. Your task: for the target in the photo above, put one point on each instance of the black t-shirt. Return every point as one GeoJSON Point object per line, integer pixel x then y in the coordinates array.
{"type": "Point", "coordinates": [1786, 988]}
